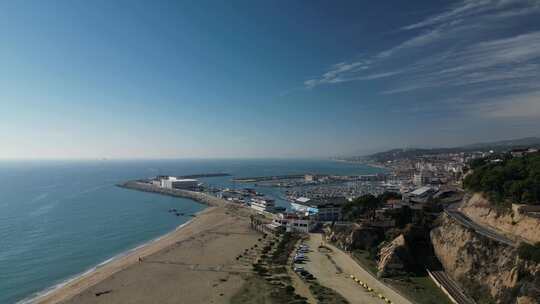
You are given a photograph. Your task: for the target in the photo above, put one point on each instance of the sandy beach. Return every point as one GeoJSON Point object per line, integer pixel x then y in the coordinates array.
{"type": "Point", "coordinates": [193, 264]}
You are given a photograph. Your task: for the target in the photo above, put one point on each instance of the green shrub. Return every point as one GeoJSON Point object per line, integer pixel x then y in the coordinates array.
{"type": "Point", "coordinates": [529, 252]}
{"type": "Point", "coordinates": [289, 289]}
{"type": "Point", "coordinates": [514, 180]}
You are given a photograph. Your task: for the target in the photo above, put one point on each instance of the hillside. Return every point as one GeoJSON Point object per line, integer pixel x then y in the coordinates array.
{"type": "Point", "coordinates": [497, 146]}
{"type": "Point", "coordinates": [511, 143]}
{"type": "Point", "coordinates": [507, 180]}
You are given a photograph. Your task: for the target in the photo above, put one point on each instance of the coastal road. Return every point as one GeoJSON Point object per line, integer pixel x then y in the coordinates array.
{"type": "Point", "coordinates": [333, 269]}
{"type": "Point", "coordinates": [469, 223]}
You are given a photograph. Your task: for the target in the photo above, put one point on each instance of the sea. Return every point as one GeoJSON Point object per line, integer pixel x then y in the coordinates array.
{"type": "Point", "coordinates": [61, 219]}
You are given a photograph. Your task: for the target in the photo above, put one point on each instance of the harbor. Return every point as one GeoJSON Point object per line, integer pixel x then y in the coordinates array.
{"type": "Point", "coordinates": [91, 202]}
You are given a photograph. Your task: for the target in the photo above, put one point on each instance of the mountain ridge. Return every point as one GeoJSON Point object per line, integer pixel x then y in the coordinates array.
{"type": "Point", "coordinates": [498, 146]}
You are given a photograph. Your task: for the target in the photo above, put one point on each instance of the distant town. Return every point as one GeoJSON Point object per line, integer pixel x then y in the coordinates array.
{"type": "Point", "coordinates": [316, 199]}
{"type": "Point", "coordinates": [393, 223]}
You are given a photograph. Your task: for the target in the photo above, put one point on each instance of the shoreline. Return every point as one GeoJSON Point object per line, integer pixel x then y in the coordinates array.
{"type": "Point", "coordinates": [77, 284]}
{"type": "Point", "coordinates": [369, 164]}
{"type": "Point", "coordinates": [41, 295]}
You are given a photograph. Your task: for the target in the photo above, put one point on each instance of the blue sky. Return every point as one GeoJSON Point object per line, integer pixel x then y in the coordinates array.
{"type": "Point", "coordinates": [165, 79]}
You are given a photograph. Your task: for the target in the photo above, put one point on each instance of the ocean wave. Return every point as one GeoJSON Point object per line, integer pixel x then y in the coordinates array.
{"type": "Point", "coordinates": [39, 197]}
{"type": "Point", "coordinates": [43, 209]}
{"type": "Point", "coordinates": [89, 190]}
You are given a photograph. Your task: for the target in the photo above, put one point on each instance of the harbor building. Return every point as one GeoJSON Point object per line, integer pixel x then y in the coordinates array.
{"type": "Point", "coordinates": [263, 205]}
{"type": "Point", "coordinates": [330, 209]}
{"type": "Point", "coordinates": [172, 182]}
{"type": "Point", "coordinates": [325, 209]}
{"type": "Point", "coordinates": [301, 205]}
{"type": "Point", "coordinates": [420, 195]}
{"type": "Point", "coordinates": [293, 222]}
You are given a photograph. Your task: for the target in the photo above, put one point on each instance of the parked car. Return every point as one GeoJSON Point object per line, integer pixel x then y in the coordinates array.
{"type": "Point", "coordinates": [300, 260]}
{"type": "Point", "coordinates": [306, 274]}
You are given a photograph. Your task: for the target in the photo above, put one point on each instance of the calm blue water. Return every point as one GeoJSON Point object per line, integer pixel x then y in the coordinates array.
{"type": "Point", "coordinates": [61, 218]}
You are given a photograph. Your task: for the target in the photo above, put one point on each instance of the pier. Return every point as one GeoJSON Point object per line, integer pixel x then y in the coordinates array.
{"type": "Point", "coordinates": [267, 178]}
{"type": "Point", "coordinates": [204, 175]}
{"type": "Point", "coordinates": [200, 197]}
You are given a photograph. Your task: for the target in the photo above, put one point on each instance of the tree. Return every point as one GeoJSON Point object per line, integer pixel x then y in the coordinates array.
{"type": "Point", "coordinates": [388, 195]}
{"type": "Point", "coordinates": [514, 180]}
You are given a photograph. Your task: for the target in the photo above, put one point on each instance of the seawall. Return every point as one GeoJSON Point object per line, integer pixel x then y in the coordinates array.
{"type": "Point", "coordinates": [200, 197]}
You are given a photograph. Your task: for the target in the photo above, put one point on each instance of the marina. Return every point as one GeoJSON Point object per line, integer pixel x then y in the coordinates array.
{"type": "Point", "coordinates": [103, 211]}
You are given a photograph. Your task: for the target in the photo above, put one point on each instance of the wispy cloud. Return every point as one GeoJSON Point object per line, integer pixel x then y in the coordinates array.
{"type": "Point", "coordinates": [338, 72]}
{"type": "Point", "coordinates": [508, 59]}
{"type": "Point", "coordinates": [478, 8]}
{"type": "Point", "coordinates": [474, 45]}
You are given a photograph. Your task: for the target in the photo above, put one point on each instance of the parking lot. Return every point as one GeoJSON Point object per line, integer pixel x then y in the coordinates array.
{"type": "Point", "coordinates": [335, 269]}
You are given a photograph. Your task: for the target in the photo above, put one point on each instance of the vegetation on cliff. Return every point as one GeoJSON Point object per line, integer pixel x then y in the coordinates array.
{"type": "Point", "coordinates": [366, 204]}
{"type": "Point", "coordinates": [507, 180]}
{"type": "Point", "coordinates": [529, 252]}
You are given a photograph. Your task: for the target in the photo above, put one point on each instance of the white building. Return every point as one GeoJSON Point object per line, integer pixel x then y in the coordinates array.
{"type": "Point", "coordinates": [263, 205]}
{"type": "Point", "coordinates": [301, 205]}
{"type": "Point", "coordinates": [293, 222]}
{"type": "Point", "coordinates": [174, 183]}
{"type": "Point", "coordinates": [310, 178]}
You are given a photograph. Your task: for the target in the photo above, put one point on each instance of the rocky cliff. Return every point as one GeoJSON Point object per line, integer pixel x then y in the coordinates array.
{"type": "Point", "coordinates": [353, 237]}
{"type": "Point", "coordinates": [393, 257]}
{"type": "Point", "coordinates": [513, 223]}
{"type": "Point", "coordinates": [489, 271]}
{"type": "Point", "coordinates": [407, 252]}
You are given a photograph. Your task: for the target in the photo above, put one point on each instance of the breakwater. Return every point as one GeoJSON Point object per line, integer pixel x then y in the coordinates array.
{"type": "Point", "coordinates": [200, 197]}
{"type": "Point", "coordinates": [205, 175]}
{"type": "Point", "coordinates": [267, 178]}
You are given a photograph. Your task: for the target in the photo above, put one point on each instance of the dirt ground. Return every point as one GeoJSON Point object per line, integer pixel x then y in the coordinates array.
{"type": "Point", "coordinates": [196, 264]}
{"type": "Point", "coordinates": [333, 268]}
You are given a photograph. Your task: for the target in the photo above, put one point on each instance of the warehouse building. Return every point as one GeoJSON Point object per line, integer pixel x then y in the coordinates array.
{"type": "Point", "coordinates": [172, 182]}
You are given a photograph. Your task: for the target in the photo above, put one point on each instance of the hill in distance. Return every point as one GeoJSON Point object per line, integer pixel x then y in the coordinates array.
{"type": "Point", "coordinates": [497, 146]}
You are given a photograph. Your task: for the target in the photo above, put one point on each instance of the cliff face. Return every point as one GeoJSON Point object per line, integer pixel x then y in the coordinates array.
{"type": "Point", "coordinates": [392, 257]}
{"type": "Point", "coordinates": [405, 253]}
{"type": "Point", "coordinates": [355, 237]}
{"type": "Point", "coordinates": [484, 267]}
{"type": "Point", "coordinates": [513, 223]}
